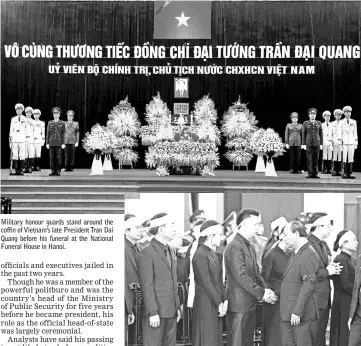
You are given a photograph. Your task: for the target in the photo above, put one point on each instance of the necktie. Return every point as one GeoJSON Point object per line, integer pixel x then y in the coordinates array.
{"type": "Point", "coordinates": [136, 248]}
{"type": "Point", "coordinates": [168, 256]}
{"type": "Point", "coordinates": [324, 252]}
{"type": "Point", "coordinates": [290, 261]}
{"type": "Point", "coordinates": [348, 121]}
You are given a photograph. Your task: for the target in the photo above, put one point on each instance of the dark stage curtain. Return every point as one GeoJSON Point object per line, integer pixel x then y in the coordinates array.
{"type": "Point", "coordinates": [272, 98]}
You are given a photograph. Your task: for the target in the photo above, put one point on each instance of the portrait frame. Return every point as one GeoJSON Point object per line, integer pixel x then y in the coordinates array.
{"type": "Point", "coordinates": [181, 94]}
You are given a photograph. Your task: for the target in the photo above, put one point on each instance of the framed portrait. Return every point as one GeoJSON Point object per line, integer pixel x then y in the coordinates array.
{"type": "Point", "coordinates": [181, 87]}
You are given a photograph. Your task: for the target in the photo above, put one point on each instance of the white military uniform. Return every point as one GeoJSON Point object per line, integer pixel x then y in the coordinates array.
{"type": "Point", "coordinates": [327, 141]}
{"type": "Point", "coordinates": [336, 140]}
{"type": "Point", "coordinates": [18, 128]}
{"type": "Point", "coordinates": [29, 148]}
{"type": "Point", "coordinates": [349, 139]}
{"type": "Point", "coordinates": [39, 136]}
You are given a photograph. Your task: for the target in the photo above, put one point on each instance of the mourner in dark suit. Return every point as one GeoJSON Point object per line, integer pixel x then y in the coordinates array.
{"type": "Point", "coordinates": [320, 230]}
{"type": "Point", "coordinates": [55, 141]}
{"type": "Point", "coordinates": [298, 307]}
{"type": "Point", "coordinates": [277, 226]}
{"type": "Point", "coordinates": [245, 285]}
{"type": "Point", "coordinates": [312, 140]}
{"type": "Point", "coordinates": [209, 301]}
{"type": "Point", "coordinates": [293, 141]}
{"type": "Point", "coordinates": [354, 321]}
{"type": "Point", "coordinates": [157, 271]}
{"type": "Point", "coordinates": [131, 250]}
{"type": "Point", "coordinates": [343, 285]}
{"type": "Point", "coordinates": [71, 141]}
{"type": "Point", "coordinates": [273, 266]}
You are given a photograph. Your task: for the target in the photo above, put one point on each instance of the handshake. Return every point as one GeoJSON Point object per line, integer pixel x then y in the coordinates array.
{"type": "Point", "coordinates": [269, 296]}
{"type": "Point", "coordinates": [222, 308]}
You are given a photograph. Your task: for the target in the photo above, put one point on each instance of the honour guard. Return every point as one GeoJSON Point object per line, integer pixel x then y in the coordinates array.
{"type": "Point", "coordinates": [349, 142]}
{"type": "Point", "coordinates": [55, 139]}
{"type": "Point", "coordinates": [312, 140]}
{"type": "Point", "coordinates": [39, 138]}
{"type": "Point", "coordinates": [29, 146]}
{"type": "Point", "coordinates": [17, 138]}
{"type": "Point", "coordinates": [336, 143]}
{"type": "Point", "coordinates": [293, 143]}
{"type": "Point", "coordinates": [327, 143]}
{"type": "Point", "coordinates": [71, 141]}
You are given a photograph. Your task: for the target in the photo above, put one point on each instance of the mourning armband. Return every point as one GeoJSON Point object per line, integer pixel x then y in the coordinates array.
{"type": "Point", "coordinates": [309, 278]}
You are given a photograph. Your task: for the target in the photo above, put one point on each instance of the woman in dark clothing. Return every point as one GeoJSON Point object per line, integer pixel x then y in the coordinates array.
{"type": "Point", "coordinates": [210, 298]}
{"type": "Point", "coordinates": [273, 266]}
{"type": "Point", "coordinates": [343, 285]}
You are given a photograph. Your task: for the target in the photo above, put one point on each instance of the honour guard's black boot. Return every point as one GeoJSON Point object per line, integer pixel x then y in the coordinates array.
{"type": "Point", "coordinates": [21, 165]}
{"type": "Point", "coordinates": [333, 168]}
{"type": "Point", "coordinates": [350, 175]}
{"type": "Point", "coordinates": [324, 166]}
{"type": "Point", "coordinates": [38, 164]}
{"type": "Point", "coordinates": [35, 166]}
{"type": "Point", "coordinates": [339, 168]}
{"type": "Point", "coordinates": [328, 168]}
{"type": "Point", "coordinates": [345, 174]}
{"type": "Point", "coordinates": [14, 171]}
{"type": "Point", "coordinates": [26, 166]}
{"type": "Point", "coordinates": [31, 166]}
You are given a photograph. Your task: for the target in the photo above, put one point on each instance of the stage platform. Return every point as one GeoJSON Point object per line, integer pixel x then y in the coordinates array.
{"type": "Point", "coordinates": [142, 180]}
{"type": "Point", "coordinates": [80, 193]}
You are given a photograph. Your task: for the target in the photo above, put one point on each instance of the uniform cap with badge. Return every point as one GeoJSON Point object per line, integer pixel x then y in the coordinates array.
{"type": "Point", "coordinates": [56, 110]}
{"type": "Point", "coordinates": [326, 114]}
{"type": "Point", "coordinates": [312, 110]}
{"type": "Point", "coordinates": [70, 112]}
{"type": "Point", "coordinates": [294, 115]}
{"type": "Point", "coordinates": [19, 105]}
{"type": "Point", "coordinates": [29, 109]}
{"type": "Point", "coordinates": [347, 109]}
{"type": "Point", "coordinates": [36, 111]}
{"type": "Point", "coordinates": [337, 111]}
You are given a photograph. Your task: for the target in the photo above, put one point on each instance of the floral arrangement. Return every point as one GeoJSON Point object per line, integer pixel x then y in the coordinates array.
{"type": "Point", "coordinates": [157, 111]}
{"type": "Point", "coordinates": [99, 140]}
{"type": "Point", "coordinates": [239, 125]}
{"type": "Point", "coordinates": [158, 117]}
{"type": "Point", "coordinates": [205, 118]}
{"type": "Point", "coordinates": [124, 124]}
{"type": "Point", "coordinates": [254, 142]}
{"type": "Point", "coordinates": [197, 155]}
{"type": "Point", "coordinates": [181, 148]}
{"type": "Point", "coordinates": [271, 144]}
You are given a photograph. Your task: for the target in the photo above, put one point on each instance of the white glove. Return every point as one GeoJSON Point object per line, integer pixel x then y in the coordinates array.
{"type": "Point", "coordinates": [76, 144]}
{"type": "Point", "coordinates": [287, 146]}
{"type": "Point", "coordinates": [63, 146]}
{"type": "Point", "coordinates": [303, 147]}
{"type": "Point", "coordinates": [47, 146]}
{"type": "Point", "coordinates": [321, 147]}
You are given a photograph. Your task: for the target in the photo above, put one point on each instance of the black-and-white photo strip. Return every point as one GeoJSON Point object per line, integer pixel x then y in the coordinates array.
{"type": "Point", "coordinates": [242, 268]}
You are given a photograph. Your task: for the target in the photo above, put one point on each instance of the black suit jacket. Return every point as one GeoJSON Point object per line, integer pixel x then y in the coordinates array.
{"type": "Point", "coordinates": [322, 286]}
{"type": "Point", "coordinates": [245, 285]}
{"type": "Point", "coordinates": [356, 289]}
{"type": "Point", "coordinates": [297, 289]}
{"type": "Point", "coordinates": [158, 281]}
{"type": "Point", "coordinates": [131, 275]}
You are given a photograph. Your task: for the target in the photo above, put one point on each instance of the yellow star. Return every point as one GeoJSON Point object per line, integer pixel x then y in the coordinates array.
{"type": "Point", "coordinates": [182, 20]}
